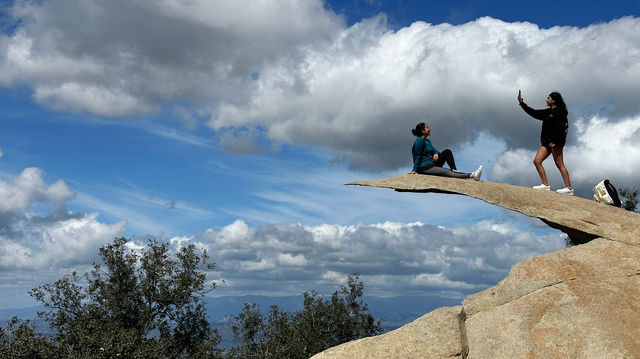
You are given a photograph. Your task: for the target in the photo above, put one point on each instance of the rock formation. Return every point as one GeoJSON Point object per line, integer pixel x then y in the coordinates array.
{"type": "Point", "coordinates": [580, 302]}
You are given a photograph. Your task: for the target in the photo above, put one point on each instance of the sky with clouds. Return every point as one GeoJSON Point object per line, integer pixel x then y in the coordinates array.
{"type": "Point", "coordinates": [236, 125]}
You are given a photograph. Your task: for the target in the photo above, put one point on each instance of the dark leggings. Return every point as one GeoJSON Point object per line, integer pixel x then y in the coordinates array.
{"type": "Point", "coordinates": [441, 171]}
{"type": "Point", "coordinates": [446, 156]}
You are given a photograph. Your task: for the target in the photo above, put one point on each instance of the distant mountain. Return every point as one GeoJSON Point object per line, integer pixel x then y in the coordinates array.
{"type": "Point", "coordinates": [223, 308]}
{"type": "Point", "coordinates": [394, 311]}
{"type": "Point", "coordinates": [22, 313]}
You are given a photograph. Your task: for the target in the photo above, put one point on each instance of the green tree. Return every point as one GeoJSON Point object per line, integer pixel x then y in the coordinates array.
{"type": "Point", "coordinates": [19, 340]}
{"type": "Point", "coordinates": [321, 324]}
{"type": "Point", "coordinates": [138, 304]}
{"type": "Point", "coordinates": [631, 198]}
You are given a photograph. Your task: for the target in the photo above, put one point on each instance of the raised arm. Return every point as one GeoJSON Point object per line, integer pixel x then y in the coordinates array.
{"type": "Point", "coordinates": [537, 114]}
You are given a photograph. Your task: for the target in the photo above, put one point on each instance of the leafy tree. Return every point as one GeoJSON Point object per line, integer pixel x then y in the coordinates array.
{"type": "Point", "coordinates": [18, 340]}
{"type": "Point", "coordinates": [631, 198]}
{"type": "Point", "coordinates": [139, 304]}
{"type": "Point", "coordinates": [321, 324]}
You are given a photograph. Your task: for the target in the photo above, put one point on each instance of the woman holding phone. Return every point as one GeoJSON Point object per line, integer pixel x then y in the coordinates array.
{"type": "Point", "coordinates": [553, 137]}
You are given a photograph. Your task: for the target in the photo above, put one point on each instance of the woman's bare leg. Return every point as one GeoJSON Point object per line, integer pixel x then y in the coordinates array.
{"type": "Point", "coordinates": [542, 155]}
{"type": "Point", "coordinates": [558, 158]}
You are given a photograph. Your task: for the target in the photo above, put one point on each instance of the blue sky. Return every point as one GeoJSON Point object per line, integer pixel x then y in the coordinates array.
{"type": "Point", "coordinates": [237, 128]}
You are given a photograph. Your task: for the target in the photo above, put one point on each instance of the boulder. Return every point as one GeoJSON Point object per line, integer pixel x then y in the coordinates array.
{"type": "Point", "coordinates": [579, 302]}
{"type": "Point", "coordinates": [416, 340]}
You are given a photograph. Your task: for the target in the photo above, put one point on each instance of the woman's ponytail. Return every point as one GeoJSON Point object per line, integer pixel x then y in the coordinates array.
{"type": "Point", "coordinates": [419, 129]}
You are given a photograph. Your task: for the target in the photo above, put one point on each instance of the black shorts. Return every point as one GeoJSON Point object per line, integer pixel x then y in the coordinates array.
{"type": "Point", "coordinates": [557, 139]}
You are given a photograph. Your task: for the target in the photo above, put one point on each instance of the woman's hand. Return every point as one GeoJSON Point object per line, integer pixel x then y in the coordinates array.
{"type": "Point", "coordinates": [411, 173]}
{"type": "Point", "coordinates": [435, 157]}
{"type": "Point", "coordinates": [520, 97]}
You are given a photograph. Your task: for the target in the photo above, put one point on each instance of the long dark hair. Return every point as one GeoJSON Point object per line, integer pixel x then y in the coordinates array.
{"type": "Point", "coordinates": [557, 99]}
{"type": "Point", "coordinates": [418, 130]}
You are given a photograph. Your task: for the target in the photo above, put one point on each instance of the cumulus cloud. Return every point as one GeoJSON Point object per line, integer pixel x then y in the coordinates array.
{"type": "Point", "coordinates": [34, 237]}
{"type": "Point", "coordinates": [29, 188]}
{"type": "Point", "coordinates": [293, 72]}
{"type": "Point", "coordinates": [393, 258]}
{"type": "Point", "coordinates": [101, 58]}
{"type": "Point", "coordinates": [360, 95]}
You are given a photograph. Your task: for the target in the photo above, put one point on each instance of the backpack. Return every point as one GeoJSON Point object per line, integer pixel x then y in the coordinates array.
{"type": "Point", "coordinates": [606, 193]}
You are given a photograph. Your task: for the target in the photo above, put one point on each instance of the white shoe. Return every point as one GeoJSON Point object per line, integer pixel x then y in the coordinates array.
{"type": "Point", "coordinates": [476, 174]}
{"type": "Point", "coordinates": [542, 186]}
{"type": "Point", "coordinates": [568, 191]}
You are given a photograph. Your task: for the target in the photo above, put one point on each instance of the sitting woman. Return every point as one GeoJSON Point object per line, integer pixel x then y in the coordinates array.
{"type": "Point", "coordinates": [427, 160]}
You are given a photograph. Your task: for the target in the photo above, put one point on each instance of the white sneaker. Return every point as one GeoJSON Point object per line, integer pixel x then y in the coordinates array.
{"type": "Point", "coordinates": [542, 186]}
{"type": "Point", "coordinates": [476, 174]}
{"type": "Point", "coordinates": [568, 191]}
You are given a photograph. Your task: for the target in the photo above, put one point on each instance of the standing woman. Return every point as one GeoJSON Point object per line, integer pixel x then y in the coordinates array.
{"type": "Point", "coordinates": [555, 126]}
{"type": "Point", "coordinates": [429, 161]}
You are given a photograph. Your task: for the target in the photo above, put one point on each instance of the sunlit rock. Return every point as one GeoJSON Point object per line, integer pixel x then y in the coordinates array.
{"type": "Point", "coordinates": [580, 302]}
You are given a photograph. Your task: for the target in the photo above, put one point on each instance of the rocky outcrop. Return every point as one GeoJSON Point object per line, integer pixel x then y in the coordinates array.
{"type": "Point", "coordinates": [580, 302]}
{"type": "Point", "coordinates": [582, 219]}
{"type": "Point", "coordinates": [415, 340]}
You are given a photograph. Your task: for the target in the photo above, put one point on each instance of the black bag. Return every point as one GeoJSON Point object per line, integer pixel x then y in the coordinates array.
{"type": "Point", "coordinates": [606, 193]}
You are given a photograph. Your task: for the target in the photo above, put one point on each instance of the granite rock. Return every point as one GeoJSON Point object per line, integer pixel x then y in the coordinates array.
{"type": "Point", "coordinates": [580, 218]}
{"type": "Point", "coordinates": [579, 302]}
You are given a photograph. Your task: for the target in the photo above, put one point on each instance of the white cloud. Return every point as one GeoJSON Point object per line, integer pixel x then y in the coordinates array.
{"type": "Point", "coordinates": [392, 257]}
{"type": "Point", "coordinates": [360, 95]}
{"type": "Point", "coordinates": [287, 259]}
{"type": "Point", "coordinates": [334, 277]}
{"type": "Point", "coordinates": [179, 241]}
{"type": "Point", "coordinates": [90, 98]}
{"type": "Point", "coordinates": [439, 281]}
{"type": "Point", "coordinates": [291, 71]}
{"type": "Point", "coordinates": [100, 58]}
{"type": "Point", "coordinates": [29, 188]}
{"type": "Point", "coordinates": [31, 239]}
{"type": "Point", "coordinates": [277, 259]}
{"type": "Point", "coordinates": [606, 148]}
{"type": "Point", "coordinates": [63, 243]}
{"type": "Point", "coordinates": [262, 265]}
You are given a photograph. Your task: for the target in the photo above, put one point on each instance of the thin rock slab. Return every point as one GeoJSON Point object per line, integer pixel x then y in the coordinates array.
{"type": "Point", "coordinates": [581, 219]}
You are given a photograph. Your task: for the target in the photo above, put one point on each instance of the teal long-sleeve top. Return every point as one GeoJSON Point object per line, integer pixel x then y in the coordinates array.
{"type": "Point", "coordinates": [423, 152]}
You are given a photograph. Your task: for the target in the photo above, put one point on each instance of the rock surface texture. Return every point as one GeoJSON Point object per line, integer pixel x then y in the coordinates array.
{"type": "Point", "coordinates": [580, 302]}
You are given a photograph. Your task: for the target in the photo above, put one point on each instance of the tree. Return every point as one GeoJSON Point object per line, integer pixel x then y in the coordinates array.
{"type": "Point", "coordinates": [19, 340]}
{"type": "Point", "coordinates": [138, 304]}
{"type": "Point", "coordinates": [631, 198]}
{"type": "Point", "coordinates": [321, 324]}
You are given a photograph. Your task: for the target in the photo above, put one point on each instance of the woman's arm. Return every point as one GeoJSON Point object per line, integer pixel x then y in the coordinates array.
{"type": "Point", "coordinates": [537, 114]}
